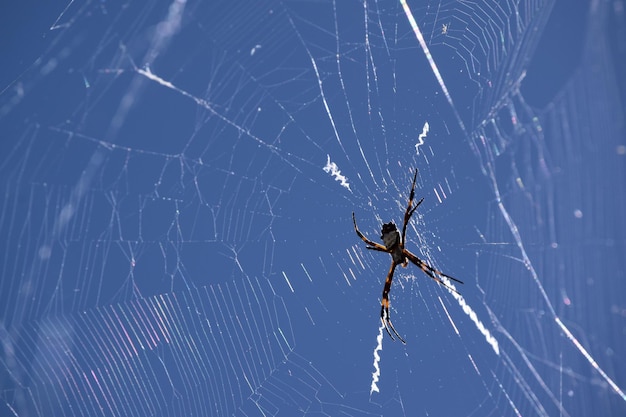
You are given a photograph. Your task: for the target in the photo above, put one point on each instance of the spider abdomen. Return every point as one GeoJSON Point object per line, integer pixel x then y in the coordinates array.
{"type": "Point", "coordinates": [391, 239]}
{"type": "Point", "coordinates": [398, 257]}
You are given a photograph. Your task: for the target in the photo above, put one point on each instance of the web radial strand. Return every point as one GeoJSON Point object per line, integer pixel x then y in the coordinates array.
{"type": "Point", "coordinates": [431, 61]}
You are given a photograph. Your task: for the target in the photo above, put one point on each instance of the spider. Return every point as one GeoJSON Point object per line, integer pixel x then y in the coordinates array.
{"type": "Point", "coordinates": [394, 245]}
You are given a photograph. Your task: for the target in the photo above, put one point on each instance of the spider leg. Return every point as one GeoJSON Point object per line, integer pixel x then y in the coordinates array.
{"type": "Point", "coordinates": [378, 249]}
{"type": "Point", "coordinates": [409, 208]}
{"type": "Point", "coordinates": [372, 245]}
{"type": "Point", "coordinates": [384, 309]}
{"type": "Point", "coordinates": [430, 271]}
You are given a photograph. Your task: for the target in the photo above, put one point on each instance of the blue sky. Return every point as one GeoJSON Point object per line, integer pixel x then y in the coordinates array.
{"type": "Point", "coordinates": [179, 180]}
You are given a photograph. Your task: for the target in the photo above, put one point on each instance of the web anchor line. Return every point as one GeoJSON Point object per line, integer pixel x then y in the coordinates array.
{"type": "Point", "coordinates": [431, 61]}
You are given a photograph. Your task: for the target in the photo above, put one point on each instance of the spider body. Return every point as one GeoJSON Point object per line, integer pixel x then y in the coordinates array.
{"type": "Point", "coordinates": [394, 245]}
{"type": "Point", "coordinates": [391, 238]}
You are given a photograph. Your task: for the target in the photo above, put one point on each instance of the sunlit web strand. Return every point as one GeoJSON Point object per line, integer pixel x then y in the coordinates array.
{"type": "Point", "coordinates": [321, 87]}
{"type": "Point", "coordinates": [345, 94]}
{"type": "Point", "coordinates": [586, 354]}
{"type": "Point", "coordinates": [431, 61]}
{"type": "Point", "coordinates": [146, 72]}
{"type": "Point", "coordinates": [515, 231]}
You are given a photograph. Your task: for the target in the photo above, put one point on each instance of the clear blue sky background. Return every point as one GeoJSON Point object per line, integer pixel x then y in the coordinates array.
{"type": "Point", "coordinates": [178, 181]}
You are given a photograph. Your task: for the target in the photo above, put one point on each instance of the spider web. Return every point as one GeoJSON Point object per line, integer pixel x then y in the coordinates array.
{"type": "Point", "coordinates": [178, 180]}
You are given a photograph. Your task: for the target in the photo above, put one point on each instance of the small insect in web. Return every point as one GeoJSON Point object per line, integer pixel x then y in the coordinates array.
{"type": "Point", "coordinates": [444, 28]}
{"type": "Point", "coordinates": [394, 245]}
